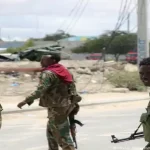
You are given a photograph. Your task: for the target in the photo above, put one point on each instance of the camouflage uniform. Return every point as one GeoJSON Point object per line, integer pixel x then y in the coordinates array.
{"type": "Point", "coordinates": [1, 115]}
{"type": "Point", "coordinates": [55, 96]}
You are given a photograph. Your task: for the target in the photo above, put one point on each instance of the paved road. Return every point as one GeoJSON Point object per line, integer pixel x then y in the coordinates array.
{"type": "Point", "coordinates": [26, 131]}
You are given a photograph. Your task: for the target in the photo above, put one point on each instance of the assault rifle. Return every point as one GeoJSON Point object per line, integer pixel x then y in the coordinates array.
{"type": "Point", "coordinates": [133, 136]}
{"type": "Point", "coordinates": [73, 123]}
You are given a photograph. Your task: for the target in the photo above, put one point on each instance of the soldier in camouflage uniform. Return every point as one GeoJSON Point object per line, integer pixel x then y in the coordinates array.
{"type": "Point", "coordinates": [58, 94]}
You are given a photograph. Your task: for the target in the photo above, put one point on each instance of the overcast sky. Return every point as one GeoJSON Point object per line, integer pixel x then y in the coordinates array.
{"type": "Point", "coordinates": [35, 18]}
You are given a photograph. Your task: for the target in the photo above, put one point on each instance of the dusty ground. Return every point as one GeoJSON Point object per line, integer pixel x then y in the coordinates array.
{"type": "Point", "coordinates": [89, 75]}
{"type": "Point", "coordinates": [26, 131]}
{"type": "Point", "coordinates": [15, 87]}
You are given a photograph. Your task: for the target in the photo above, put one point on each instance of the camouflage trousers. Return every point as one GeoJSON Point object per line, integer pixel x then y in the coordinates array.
{"type": "Point", "coordinates": [58, 130]}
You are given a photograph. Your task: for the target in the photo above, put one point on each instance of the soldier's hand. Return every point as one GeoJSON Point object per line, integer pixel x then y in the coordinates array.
{"type": "Point", "coordinates": [21, 104]}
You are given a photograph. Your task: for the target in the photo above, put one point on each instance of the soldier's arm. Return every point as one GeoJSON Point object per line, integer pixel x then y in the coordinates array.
{"type": "Point", "coordinates": [45, 83]}
{"type": "Point", "coordinates": [20, 69]}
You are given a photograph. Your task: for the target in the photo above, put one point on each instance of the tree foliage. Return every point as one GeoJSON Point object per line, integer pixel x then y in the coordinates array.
{"type": "Point", "coordinates": [115, 43]}
{"type": "Point", "coordinates": [57, 36]}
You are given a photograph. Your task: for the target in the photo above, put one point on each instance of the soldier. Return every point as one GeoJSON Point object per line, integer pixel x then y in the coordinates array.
{"type": "Point", "coordinates": [57, 93]}
{"type": "Point", "coordinates": [145, 78]}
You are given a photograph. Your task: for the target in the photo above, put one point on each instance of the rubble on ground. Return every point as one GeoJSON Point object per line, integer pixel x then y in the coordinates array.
{"type": "Point", "coordinates": [90, 76]}
{"type": "Point", "coordinates": [130, 68]}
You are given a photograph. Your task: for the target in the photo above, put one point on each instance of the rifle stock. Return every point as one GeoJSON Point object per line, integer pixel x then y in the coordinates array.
{"type": "Point", "coordinates": [133, 136]}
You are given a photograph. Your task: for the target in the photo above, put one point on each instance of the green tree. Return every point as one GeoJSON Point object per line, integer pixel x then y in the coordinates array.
{"type": "Point", "coordinates": [121, 44]}
{"type": "Point", "coordinates": [57, 36]}
{"type": "Point", "coordinates": [115, 43]}
{"type": "Point", "coordinates": [29, 43]}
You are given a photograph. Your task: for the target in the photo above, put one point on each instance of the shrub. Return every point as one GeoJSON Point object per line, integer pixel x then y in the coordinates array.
{"type": "Point", "coordinates": [124, 79]}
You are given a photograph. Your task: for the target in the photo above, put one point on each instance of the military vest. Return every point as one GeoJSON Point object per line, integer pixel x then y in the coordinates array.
{"type": "Point", "coordinates": [56, 95]}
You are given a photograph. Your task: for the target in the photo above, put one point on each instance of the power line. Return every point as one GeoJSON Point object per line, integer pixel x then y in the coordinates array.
{"type": "Point", "coordinates": [113, 35]}
{"type": "Point", "coordinates": [80, 15]}
{"type": "Point", "coordinates": [121, 14]}
{"type": "Point", "coordinates": [121, 5]}
{"type": "Point", "coordinates": [117, 24]}
{"type": "Point", "coordinates": [70, 13]}
{"type": "Point", "coordinates": [123, 19]}
{"type": "Point", "coordinates": [76, 13]}
{"type": "Point", "coordinates": [126, 5]}
{"type": "Point", "coordinates": [128, 13]}
{"type": "Point", "coordinates": [133, 28]}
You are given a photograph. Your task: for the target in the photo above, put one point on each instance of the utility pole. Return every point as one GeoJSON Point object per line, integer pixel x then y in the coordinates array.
{"type": "Point", "coordinates": [142, 35]}
{"type": "Point", "coordinates": [128, 23]}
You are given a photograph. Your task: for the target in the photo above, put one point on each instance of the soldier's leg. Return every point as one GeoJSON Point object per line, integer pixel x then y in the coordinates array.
{"type": "Point", "coordinates": [52, 143]}
{"type": "Point", "coordinates": [64, 129]}
{"type": "Point", "coordinates": [61, 132]}
{"type": "Point", "coordinates": [60, 128]}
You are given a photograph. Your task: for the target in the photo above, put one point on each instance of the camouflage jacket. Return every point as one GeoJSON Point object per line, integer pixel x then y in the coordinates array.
{"type": "Point", "coordinates": [52, 91]}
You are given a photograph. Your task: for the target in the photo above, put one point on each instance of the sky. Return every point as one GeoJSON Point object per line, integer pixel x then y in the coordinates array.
{"type": "Point", "coordinates": [23, 19]}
